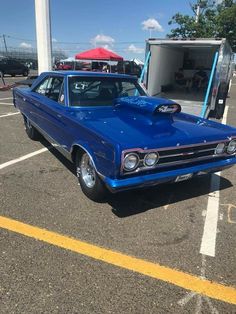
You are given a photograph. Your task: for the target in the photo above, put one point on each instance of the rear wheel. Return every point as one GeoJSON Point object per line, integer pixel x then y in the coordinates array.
{"type": "Point", "coordinates": [25, 73]}
{"type": "Point", "coordinates": [90, 183]}
{"type": "Point", "coordinates": [31, 131]}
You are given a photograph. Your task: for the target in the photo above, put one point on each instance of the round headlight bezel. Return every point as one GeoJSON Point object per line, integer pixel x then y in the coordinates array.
{"type": "Point", "coordinates": [217, 152]}
{"type": "Point", "coordinates": [137, 162]}
{"type": "Point", "coordinates": [234, 150]}
{"type": "Point", "coordinates": [146, 157]}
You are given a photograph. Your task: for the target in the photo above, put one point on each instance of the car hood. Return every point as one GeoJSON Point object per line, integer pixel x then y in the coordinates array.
{"type": "Point", "coordinates": [143, 126]}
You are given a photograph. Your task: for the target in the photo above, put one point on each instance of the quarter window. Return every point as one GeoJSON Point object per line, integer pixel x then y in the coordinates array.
{"type": "Point", "coordinates": [42, 87]}
{"type": "Point", "coordinates": [53, 88]}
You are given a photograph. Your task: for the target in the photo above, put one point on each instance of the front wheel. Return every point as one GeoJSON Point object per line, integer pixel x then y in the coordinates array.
{"type": "Point", "coordinates": [32, 133]}
{"type": "Point", "coordinates": [90, 183]}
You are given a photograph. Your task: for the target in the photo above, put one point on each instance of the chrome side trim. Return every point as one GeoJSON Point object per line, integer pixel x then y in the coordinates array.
{"type": "Point", "coordinates": [52, 141]}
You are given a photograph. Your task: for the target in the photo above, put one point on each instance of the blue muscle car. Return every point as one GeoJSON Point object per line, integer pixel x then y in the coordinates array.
{"type": "Point", "coordinates": [118, 137]}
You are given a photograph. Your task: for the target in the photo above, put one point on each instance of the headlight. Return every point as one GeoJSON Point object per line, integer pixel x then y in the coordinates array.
{"type": "Point", "coordinates": [151, 159]}
{"type": "Point", "coordinates": [220, 148]}
{"type": "Point", "coordinates": [231, 147]}
{"type": "Point", "coordinates": [131, 161]}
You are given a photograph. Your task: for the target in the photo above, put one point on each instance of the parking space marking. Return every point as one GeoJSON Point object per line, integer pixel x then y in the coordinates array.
{"type": "Point", "coordinates": [224, 120]}
{"type": "Point", "coordinates": [9, 114]}
{"type": "Point", "coordinates": [6, 98]}
{"type": "Point", "coordinates": [178, 278]}
{"type": "Point", "coordinates": [6, 104]}
{"type": "Point", "coordinates": [14, 161]}
{"type": "Point", "coordinates": [230, 207]}
{"type": "Point", "coordinates": [210, 226]}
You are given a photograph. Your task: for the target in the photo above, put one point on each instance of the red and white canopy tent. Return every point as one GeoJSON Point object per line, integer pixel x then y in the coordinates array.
{"type": "Point", "coordinates": [99, 54]}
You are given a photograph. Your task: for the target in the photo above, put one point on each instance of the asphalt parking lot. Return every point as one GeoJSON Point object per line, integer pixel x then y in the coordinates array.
{"type": "Point", "coordinates": [168, 249]}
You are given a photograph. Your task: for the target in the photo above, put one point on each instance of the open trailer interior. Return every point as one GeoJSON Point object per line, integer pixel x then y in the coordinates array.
{"type": "Point", "coordinates": [169, 57]}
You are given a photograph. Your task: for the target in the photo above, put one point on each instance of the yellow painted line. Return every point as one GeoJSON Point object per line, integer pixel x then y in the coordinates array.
{"type": "Point", "coordinates": [190, 282]}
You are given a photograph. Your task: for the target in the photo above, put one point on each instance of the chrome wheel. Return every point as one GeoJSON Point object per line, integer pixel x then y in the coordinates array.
{"type": "Point", "coordinates": [87, 171]}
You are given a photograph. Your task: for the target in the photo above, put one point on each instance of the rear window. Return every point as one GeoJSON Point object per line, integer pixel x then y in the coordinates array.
{"type": "Point", "coordinates": [101, 91]}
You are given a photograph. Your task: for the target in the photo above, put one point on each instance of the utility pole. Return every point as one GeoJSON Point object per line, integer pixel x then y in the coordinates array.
{"type": "Point", "coordinates": [5, 43]}
{"type": "Point", "coordinates": [43, 33]}
{"type": "Point", "coordinates": [197, 12]}
{"type": "Point", "coordinates": [201, 4]}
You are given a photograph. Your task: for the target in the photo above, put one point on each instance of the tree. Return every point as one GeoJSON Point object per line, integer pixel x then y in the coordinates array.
{"type": "Point", "coordinates": [209, 20]}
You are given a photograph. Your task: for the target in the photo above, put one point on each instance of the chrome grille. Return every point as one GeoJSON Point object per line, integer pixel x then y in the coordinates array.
{"type": "Point", "coordinates": [179, 155]}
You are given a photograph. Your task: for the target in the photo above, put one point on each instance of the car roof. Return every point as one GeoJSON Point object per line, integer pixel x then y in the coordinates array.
{"type": "Point", "coordinates": [90, 74]}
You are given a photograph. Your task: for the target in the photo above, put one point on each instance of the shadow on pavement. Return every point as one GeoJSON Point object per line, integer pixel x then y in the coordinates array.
{"type": "Point", "coordinates": [129, 203]}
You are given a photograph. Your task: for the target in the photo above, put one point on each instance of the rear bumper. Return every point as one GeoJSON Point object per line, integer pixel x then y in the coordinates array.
{"type": "Point", "coordinates": [116, 185]}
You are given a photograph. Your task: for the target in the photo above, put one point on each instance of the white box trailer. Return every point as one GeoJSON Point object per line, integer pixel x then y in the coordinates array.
{"type": "Point", "coordinates": [165, 57]}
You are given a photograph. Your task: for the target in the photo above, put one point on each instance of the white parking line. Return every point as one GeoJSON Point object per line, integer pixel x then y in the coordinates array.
{"type": "Point", "coordinates": [6, 98]}
{"type": "Point", "coordinates": [6, 104]}
{"type": "Point", "coordinates": [224, 120]}
{"type": "Point", "coordinates": [9, 114]}
{"type": "Point", "coordinates": [14, 161]}
{"type": "Point", "coordinates": [210, 227]}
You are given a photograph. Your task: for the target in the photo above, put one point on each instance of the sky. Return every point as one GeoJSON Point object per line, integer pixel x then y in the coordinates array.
{"type": "Point", "coordinates": [77, 25]}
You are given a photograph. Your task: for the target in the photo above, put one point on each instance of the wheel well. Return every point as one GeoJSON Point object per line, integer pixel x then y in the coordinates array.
{"type": "Point", "coordinates": [77, 150]}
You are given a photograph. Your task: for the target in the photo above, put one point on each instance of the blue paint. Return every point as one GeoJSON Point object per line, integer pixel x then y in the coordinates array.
{"type": "Point", "coordinates": [105, 132]}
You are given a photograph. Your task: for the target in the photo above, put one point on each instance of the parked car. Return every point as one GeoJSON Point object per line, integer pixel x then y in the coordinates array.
{"type": "Point", "coordinates": [128, 67]}
{"type": "Point", "coordinates": [13, 67]}
{"type": "Point", "coordinates": [118, 137]}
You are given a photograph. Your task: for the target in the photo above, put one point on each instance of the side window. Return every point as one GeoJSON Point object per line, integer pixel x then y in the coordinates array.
{"type": "Point", "coordinates": [55, 89]}
{"type": "Point", "coordinates": [61, 98]}
{"type": "Point", "coordinates": [42, 88]}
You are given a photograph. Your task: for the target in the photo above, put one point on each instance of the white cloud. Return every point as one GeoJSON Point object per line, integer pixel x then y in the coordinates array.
{"type": "Point", "coordinates": [107, 47]}
{"type": "Point", "coordinates": [102, 39]}
{"type": "Point", "coordinates": [25, 45]}
{"type": "Point", "coordinates": [54, 40]}
{"type": "Point", "coordinates": [134, 49]}
{"type": "Point", "coordinates": [152, 24]}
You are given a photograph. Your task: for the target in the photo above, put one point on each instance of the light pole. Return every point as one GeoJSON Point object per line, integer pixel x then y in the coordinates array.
{"type": "Point", "coordinates": [43, 34]}
{"type": "Point", "coordinates": [150, 30]}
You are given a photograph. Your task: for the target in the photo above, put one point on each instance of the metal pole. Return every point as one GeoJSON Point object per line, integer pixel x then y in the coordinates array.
{"type": "Point", "coordinates": [145, 66]}
{"type": "Point", "coordinates": [204, 107]}
{"type": "Point", "coordinates": [197, 13]}
{"type": "Point", "coordinates": [43, 33]}
{"type": "Point", "coordinates": [5, 44]}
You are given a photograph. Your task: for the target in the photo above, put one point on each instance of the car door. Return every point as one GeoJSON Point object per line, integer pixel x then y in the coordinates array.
{"type": "Point", "coordinates": [52, 111]}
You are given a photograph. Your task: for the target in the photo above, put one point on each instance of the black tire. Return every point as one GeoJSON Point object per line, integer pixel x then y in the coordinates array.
{"type": "Point", "coordinates": [32, 133]}
{"type": "Point", "coordinates": [13, 75]}
{"type": "Point", "coordinates": [92, 186]}
{"type": "Point", "coordinates": [25, 73]}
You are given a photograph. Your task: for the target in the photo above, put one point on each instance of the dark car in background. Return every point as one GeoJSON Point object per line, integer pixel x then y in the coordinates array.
{"type": "Point", "coordinates": [128, 67]}
{"type": "Point", "coordinates": [12, 67]}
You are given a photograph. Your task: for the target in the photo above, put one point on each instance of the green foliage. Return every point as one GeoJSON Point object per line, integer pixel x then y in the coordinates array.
{"type": "Point", "coordinates": [213, 21]}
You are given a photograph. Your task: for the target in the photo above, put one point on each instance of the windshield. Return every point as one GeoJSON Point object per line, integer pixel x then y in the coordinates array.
{"type": "Point", "coordinates": [101, 91]}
